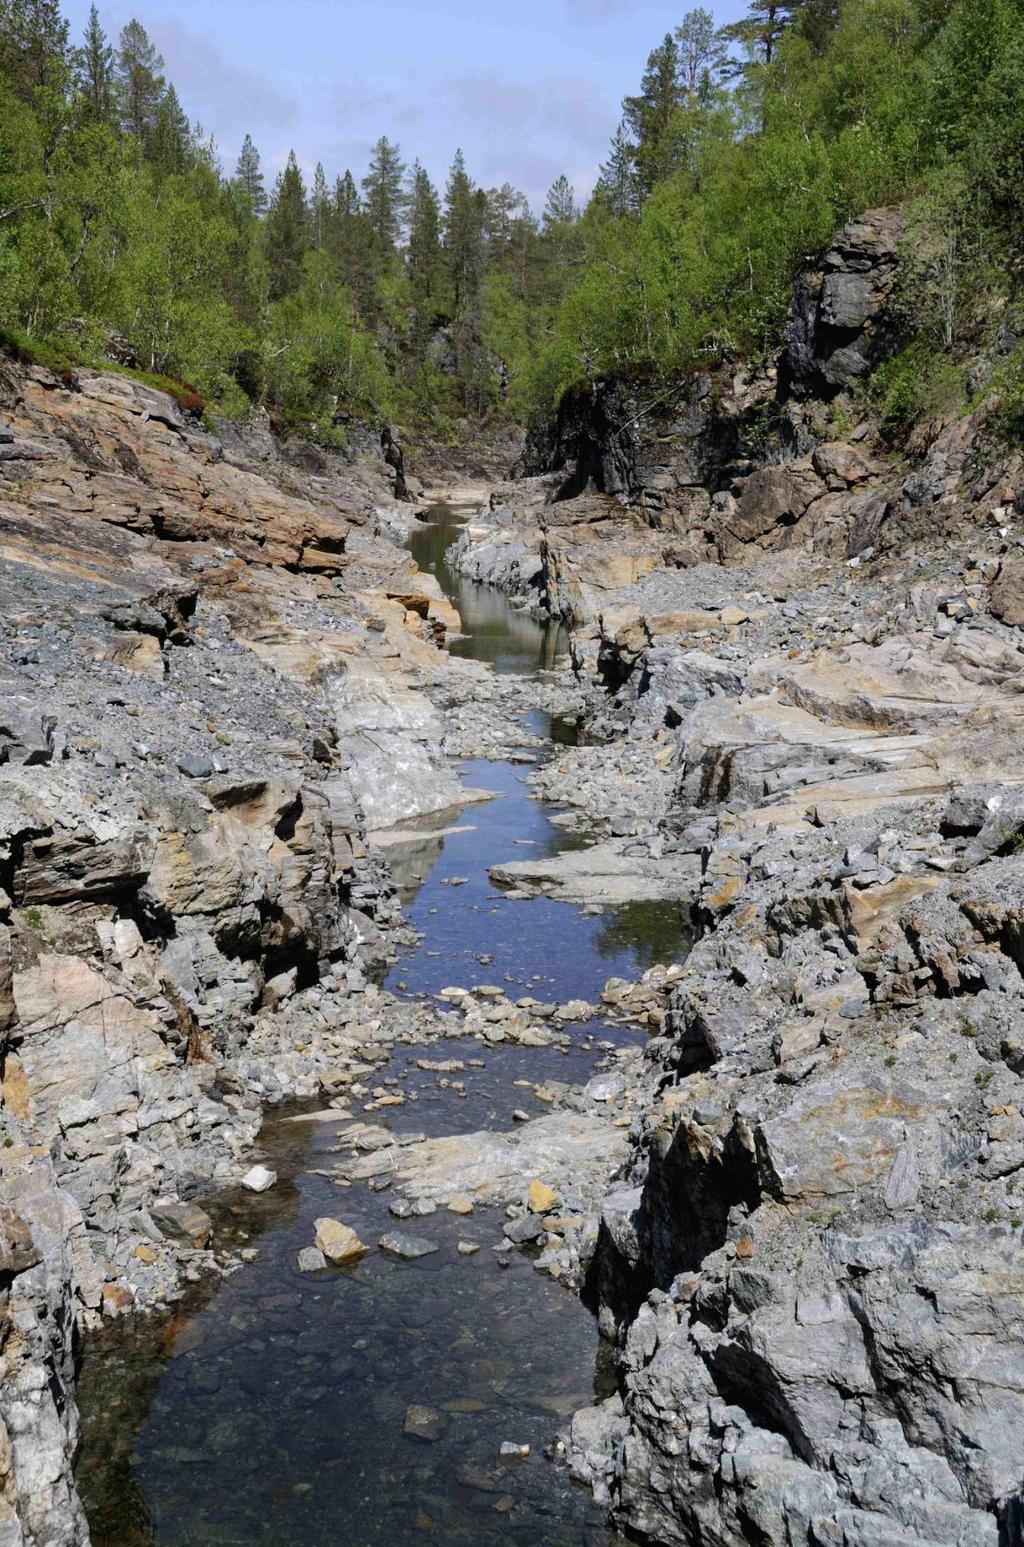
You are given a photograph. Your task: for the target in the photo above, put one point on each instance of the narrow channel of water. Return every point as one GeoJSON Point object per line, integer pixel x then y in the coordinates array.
{"type": "Point", "coordinates": [271, 1413]}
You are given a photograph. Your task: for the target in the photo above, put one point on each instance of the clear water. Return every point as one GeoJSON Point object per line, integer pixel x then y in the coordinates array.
{"type": "Point", "coordinates": [512, 641]}
{"type": "Point", "coordinates": [270, 1412]}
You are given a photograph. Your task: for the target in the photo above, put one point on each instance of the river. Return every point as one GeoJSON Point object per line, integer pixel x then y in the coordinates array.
{"type": "Point", "coordinates": [270, 1412]}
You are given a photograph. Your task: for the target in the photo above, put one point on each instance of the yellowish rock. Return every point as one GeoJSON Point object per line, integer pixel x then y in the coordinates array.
{"type": "Point", "coordinates": [143, 1253]}
{"type": "Point", "coordinates": [541, 1198]}
{"type": "Point", "coordinates": [339, 1243]}
{"type": "Point", "coordinates": [460, 1204]}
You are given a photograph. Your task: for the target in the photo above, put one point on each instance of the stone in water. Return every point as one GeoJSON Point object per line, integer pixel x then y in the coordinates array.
{"type": "Point", "coordinates": [259, 1179]}
{"type": "Point", "coordinates": [339, 1243]}
{"type": "Point", "coordinates": [409, 1247]}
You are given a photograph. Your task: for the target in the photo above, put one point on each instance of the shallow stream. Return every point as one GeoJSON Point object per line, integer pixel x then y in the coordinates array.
{"type": "Point", "coordinates": [269, 1411]}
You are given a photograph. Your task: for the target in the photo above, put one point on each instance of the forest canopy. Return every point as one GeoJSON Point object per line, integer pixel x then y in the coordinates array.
{"type": "Point", "coordinates": [123, 238]}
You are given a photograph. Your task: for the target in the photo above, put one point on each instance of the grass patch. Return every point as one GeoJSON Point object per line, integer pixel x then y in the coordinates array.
{"type": "Point", "coordinates": [913, 387]}
{"type": "Point", "coordinates": [63, 361]}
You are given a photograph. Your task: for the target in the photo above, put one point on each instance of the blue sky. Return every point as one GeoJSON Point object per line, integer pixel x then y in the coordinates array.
{"type": "Point", "coordinates": [528, 88]}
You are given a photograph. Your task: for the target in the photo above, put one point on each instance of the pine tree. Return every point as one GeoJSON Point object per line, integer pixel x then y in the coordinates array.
{"type": "Point", "coordinates": [350, 243]}
{"type": "Point", "coordinates": [94, 63]}
{"type": "Point", "coordinates": [463, 237]}
{"type": "Point", "coordinates": [617, 183]}
{"type": "Point", "coordinates": [287, 230]}
{"type": "Point", "coordinates": [319, 209]}
{"type": "Point", "coordinates": [346, 196]}
{"type": "Point", "coordinates": [250, 178]}
{"type": "Point", "coordinates": [560, 209]}
{"type": "Point", "coordinates": [33, 44]}
{"type": "Point", "coordinates": [649, 115]}
{"type": "Point", "coordinates": [424, 258]}
{"type": "Point", "coordinates": [171, 140]}
{"type": "Point", "coordinates": [758, 32]}
{"type": "Point", "coordinates": [816, 21]}
{"type": "Point", "coordinates": [140, 84]}
{"type": "Point", "coordinates": [701, 54]}
{"type": "Point", "coordinates": [506, 207]}
{"type": "Point", "coordinates": [385, 197]}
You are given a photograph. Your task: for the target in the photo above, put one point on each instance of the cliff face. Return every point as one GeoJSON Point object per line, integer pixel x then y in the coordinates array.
{"type": "Point", "coordinates": [210, 671]}
{"type": "Point", "coordinates": [727, 462]}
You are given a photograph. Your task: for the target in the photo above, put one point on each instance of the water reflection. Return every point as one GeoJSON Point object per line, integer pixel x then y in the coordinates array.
{"type": "Point", "coordinates": [471, 932]}
{"type": "Point", "coordinates": [512, 641]}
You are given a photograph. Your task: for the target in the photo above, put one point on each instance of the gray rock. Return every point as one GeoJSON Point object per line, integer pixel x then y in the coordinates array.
{"type": "Point", "coordinates": [310, 1260]}
{"type": "Point", "coordinates": [529, 1227]}
{"type": "Point", "coordinates": [185, 1222]}
{"type": "Point", "coordinates": [397, 1243]}
{"type": "Point", "coordinates": [424, 1423]}
{"type": "Point", "coordinates": [196, 766]}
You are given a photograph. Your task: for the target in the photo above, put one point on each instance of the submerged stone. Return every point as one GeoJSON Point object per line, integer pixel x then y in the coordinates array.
{"type": "Point", "coordinates": [397, 1243]}
{"type": "Point", "coordinates": [424, 1423]}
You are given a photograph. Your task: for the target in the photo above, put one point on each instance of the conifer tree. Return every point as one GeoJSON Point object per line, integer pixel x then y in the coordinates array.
{"type": "Point", "coordinates": [94, 63]}
{"type": "Point", "coordinates": [560, 208]}
{"type": "Point", "coordinates": [463, 237]}
{"type": "Point", "coordinates": [424, 257]}
{"type": "Point", "coordinates": [506, 207]}
{"type": "Point", "coordinates": [171, 141]}
{"type": "Point", "coordinates": [758, 32]}
{"type": "Point", "coordinates": [33, 43]}
{"type": "Point", "coordinates": [617, 183]}
{"type": "Point", "coordinates": [140, 84]}
{"type": "Point", "coordinates": [319, 208]}
{"type": "Point", "coordinates": [385, 197]}
{"type": "Point", "coordinates": [816, 21]}
{"type": "Point", "coordinates": [350, 242]}
{"type": "Point", "coordinates": [649, 114]}
{"type": "Point", "coordinates": [250, 177]}
{"type": "Point", "coordinates": [287, 230]}
{"type": "Point", "coordinates": [346, 196]}
{"type": "Point", "coordinates": [701, 52]}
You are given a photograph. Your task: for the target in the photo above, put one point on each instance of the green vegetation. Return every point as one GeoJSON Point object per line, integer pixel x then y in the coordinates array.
{"type": "Point", "coordinates": [741, 151]}
{"type": "Point", "coordinates": [834, 106]}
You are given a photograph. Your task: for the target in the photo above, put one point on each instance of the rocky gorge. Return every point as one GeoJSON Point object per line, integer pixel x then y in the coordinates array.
{"type": "Point", "coordinates": [730, 989]}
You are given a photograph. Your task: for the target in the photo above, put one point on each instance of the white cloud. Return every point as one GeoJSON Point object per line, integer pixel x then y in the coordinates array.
{"type": "Point", "coordinates": [212, 88]}
{"type": "Point", "coordinates": [599, 10]}
{"type": "Point", "coordinates": [572, 109]}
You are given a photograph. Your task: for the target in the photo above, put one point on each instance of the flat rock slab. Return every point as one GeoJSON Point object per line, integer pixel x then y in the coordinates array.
{"type": "Point", "coordinates": [496, 1167]}
{"type": "Point", "coordinates": [259, 1179]}
{"type": "Point", "coordinates": [605, 874]}
{"type": "Point", "coordinates": [397, 1243]}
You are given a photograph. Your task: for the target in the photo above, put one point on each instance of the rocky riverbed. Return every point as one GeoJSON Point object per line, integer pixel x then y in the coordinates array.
{"type": "Point", "coordinates": [230, 735]}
